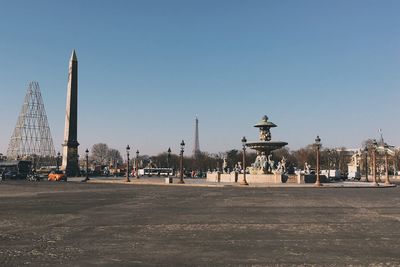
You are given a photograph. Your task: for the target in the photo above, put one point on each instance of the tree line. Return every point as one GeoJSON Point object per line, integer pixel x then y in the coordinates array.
{"type": "Point", "coordinates": [330, 158]}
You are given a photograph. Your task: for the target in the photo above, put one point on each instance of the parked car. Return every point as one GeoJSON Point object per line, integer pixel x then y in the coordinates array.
{"type": "Point", "coordinates": [10, 175]}
{"type": "Point", "coordinates": [332, 174]}
{"type": "Point", "coordinates": [354, 176]}
{"type": "Point", "coordinates": [57, 176]}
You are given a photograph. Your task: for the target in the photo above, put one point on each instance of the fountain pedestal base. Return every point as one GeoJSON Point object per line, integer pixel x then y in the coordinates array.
{"type": "Point", "coordinates": [275, 178]}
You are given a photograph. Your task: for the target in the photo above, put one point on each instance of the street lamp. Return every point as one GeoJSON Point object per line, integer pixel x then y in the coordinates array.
{"type": "Point", "coordinates": [87, 165]}
{"type": "Point", "coordinates": [168, 159]}
{"type": "Point", "coordinates": [127, 168]}
{"type": "Point", "coordinates": [58, 160]}
{"type": "Point", "coordinates": [374, 147]}
{"type": "Point", "coordinates": [181, 167]}
{"type": "Point", "coordinates": [329, 164]}
{"type": "Point", "coordinates": [217, 169]}
{"type": "Point", "coordinates": [34, 162]}
{"type": "Point", "coordinates": [137, 164]}
{"type": "Point", "coordinates": [366, 162]}
{"type": "Point", "coordinates": [386, 147]}
{"type": "Point", "coordinates": [244, 181]}
{"type": "Point", "coordinates": [79, 166]}
{"type": "Point", "coordinates": [115, 166]}
{"type": "Point", "coordinates": [318, 146]}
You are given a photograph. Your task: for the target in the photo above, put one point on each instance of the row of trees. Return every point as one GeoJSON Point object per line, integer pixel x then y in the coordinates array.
{"type": "Point", "coordinates": [336, 158]}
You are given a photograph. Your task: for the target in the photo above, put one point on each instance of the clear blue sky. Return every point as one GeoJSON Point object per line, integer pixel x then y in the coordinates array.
{"type": "Point", "coordinates": [147, 68]}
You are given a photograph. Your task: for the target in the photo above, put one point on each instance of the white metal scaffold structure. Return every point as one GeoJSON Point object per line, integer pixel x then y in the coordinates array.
{"type": "Point", "coordinates": [31, 137]}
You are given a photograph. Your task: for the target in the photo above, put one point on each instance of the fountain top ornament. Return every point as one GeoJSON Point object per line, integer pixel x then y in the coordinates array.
{"type": "Point", "coordinates": [265, 146]}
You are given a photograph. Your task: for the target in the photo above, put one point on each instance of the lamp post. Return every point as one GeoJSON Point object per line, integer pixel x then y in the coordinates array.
{"type": "Point", "coordinates": [33, 157]}
{"type": "Point", "coordinates": [217, 171]}
{"type": "Point", "coordinates": [137, 164]}
{"type": "Point", "coordinates": [127, 167]}
{"type": "Point", "coordinates": [115, 167]}
{"type": "Point", "coordinates": [318, 146]}
{"type": "Point", "coordinates": [394, 167]}
{"type": "Point", "coordinates": [374, 146]}
{"type": "Point", "coordinates": [87, 165]}
{"type": "Point", "coordinates": [386, 147]}
{"type": "Point", "coordinates": [244, 181]}
{"type": "Point", "coordinates": [79, 173]}
{"type": "Point", "coordinates": [329, 164]}
{"type": "Point", "coordinates": [168, 159]}
{"type": "Point", "coordinates": [58, 160]}
{"type": "Point", "coordinates": [366, 162]}
{"type": "Point", "coordinates": [181, 163]}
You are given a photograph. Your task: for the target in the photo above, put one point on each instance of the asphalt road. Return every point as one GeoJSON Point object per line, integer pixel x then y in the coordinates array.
{"type": "Point", "coordinates": [51, 224]}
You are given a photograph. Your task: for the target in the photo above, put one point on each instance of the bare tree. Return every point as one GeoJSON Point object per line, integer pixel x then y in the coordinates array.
{"type": "Point", "coordinates": [99, 153]}
{"type": "Point", "coordinates": [305, 154]}
{"type": "Point", "coordinates": [114, 156]}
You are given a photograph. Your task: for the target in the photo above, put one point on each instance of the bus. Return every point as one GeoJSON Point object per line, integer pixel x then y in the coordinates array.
{"type": "Point", "coordinates": [156, 171]}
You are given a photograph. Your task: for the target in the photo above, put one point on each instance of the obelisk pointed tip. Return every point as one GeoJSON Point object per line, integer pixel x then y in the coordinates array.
{"type": "Point", "coordinates": [73, 56]}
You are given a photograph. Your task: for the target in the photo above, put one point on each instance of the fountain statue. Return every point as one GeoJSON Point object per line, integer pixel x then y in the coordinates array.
{"type": "Point", "coordinates": [264, 169]}
{"type": "Point", "coordinates": [224, 165]}
{"type": "Point", "coordinates": [263, 163]}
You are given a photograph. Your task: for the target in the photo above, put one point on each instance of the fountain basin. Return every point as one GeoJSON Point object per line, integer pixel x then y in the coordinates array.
{"type": "Point", "coordinates": [274, 178]}
{"type": "Point", "coordinates": [266, 146]}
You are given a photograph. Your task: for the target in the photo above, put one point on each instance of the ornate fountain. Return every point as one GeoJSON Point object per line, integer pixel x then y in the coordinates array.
{"type": "Point", "coordinates": [264, 163]}
{"type": "Point", "coordinates": [264, 169]}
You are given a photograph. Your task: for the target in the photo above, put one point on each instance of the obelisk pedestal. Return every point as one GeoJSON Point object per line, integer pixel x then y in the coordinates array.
{"type": "Point", "coordinates": [70, 146]}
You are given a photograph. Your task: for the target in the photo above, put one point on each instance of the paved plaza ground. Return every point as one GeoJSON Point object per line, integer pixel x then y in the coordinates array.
{"type": "Point", "coordinates": [84, 224]}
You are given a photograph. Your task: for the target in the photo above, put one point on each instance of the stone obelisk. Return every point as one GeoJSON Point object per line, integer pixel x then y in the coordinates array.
{"type": "Point", "coordinates": [70, 146]}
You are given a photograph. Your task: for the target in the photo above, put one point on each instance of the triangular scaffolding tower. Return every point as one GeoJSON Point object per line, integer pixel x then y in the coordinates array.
{"type": "Point", "coordinates": [31, 138]}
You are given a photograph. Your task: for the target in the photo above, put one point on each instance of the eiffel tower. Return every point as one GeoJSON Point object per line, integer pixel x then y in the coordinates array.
{"type": "Point", "coordinates": [31, 138]}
